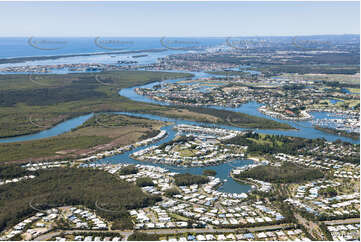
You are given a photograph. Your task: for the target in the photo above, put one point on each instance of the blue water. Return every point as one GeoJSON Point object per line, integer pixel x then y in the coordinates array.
{"type": "Point", "coordinates": [345, 90]}
{"type": "Point", "coordinates": [303, 128]}
{"type": "Point", "coordinates": [223, 170]}
{"type": "Point", "coordinates": [334, 101]}
{"type": "Point", "coordinates": [19, 47]}
{"type": "Point", "coordinates": [61, 128]}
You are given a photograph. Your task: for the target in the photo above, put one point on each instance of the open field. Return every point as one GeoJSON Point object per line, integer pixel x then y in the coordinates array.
{"type": "Point", "coordinates": [98, 133]}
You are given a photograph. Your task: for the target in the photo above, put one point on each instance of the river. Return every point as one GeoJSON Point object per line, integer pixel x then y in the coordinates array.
{"type": "Point", "coordinates": [304, 129]}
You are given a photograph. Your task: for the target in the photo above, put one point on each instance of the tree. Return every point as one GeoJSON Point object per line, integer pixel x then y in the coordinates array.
{"type": "Point", "coordinates": [139, 236]}
{"type": "Point", "coordinates": [144, 181]}
{"type": "Point", "coordinates": [209, 172]}
{"type": "Point", "coordinates": [171, 192]}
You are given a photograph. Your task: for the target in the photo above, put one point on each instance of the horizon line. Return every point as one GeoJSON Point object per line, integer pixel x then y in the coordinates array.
{"type": "Point", "coordinates": [165, 36]}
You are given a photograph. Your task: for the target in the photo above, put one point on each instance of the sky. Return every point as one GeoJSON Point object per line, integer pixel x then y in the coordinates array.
{"type": "Point", "coordinates": [178, 19]}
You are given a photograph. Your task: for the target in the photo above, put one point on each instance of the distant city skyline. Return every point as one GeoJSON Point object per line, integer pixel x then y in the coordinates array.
{"type": "Point", "coordinates": [178, 19]}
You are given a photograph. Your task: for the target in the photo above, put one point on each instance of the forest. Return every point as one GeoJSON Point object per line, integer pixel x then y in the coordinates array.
{"type": "Point", "coordinates": [139, 236]}
{"type": "Point", "coordinates": [144, 182]}
{"type": "Point", "coordinates": [272, 144]}
{"type": "Point", "coordinates": [209, 172]}
{"type": "Point", "coordinates": [240, 119]}
{"type": "Point", "coordinates": [94, 189]}
{"type": "Point", "coordinates": [127, 170]}
{"type": "Point", "coordinates": [287, 173]}
{"type": "Point", "coordinates": [187, 179]}
{"type": "Point", "coordinates": [8, 171]}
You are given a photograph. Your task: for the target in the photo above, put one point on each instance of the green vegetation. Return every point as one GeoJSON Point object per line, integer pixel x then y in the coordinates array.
{"type": "Point", "coordinates": [209, 172]}
{"type": "Point", "coordinates": [328, 192]}
{"type": "Point", "coordinates": [338, 84]}
{"type": "Point", "coordinates": [149, 134]}
{"type": "Point", "coordinates": [139, 236]}
{"type": "Point", "coordinates": [177, 140]}
{"type": "Point", "coordinates": [29, 104]}
{"type": "Point", "coordinates": [98, 130]}
{"type": "Point", "coordinates": [122, 223]}
{"type": "Point", "coordinates": [344, 62]}
{"type": "Point", "coordinates": [50, 99]}
{"type": "Point", "coordinates": [12, 171]}
{"type": "Point", "coordinates": [115, 120]}
{"type": "Point", "coordinates": [264, 145]}
{"type": "Point", "coordinates": [271, 144]}
{"type": "Point", "coordinates": [171, 192]}
{"type": "Point", "coordinates": [310, 69]}
{"type": "Point", "coordinates": [127, 170]}
{"type": "Point", "coordinates": [242, 74]}
{"type": "Point", "coordinates": [144, 182]}
{"type": "Point", "coordinates": [325, 231]}
{"type": "Point", "coordinates": [48, 147]}
{"type": "Point", "coordinates": [240, 119]}
{"type": "Point", "coordinates": [94, 189]}
{"type": "Point", "coordinates": [94, 234]}
{"type": "Point", "coordinates": [287, 173]}
{"type": "Point", "coordinates": [352, 135]}
{"type": "Point", "coordinates": [189, 179]}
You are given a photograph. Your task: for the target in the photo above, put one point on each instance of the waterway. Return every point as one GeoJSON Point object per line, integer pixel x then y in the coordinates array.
{"type": "Point", "coordinates": [304, 129]}
{"type": "Point", "coordinates": [223, 170]}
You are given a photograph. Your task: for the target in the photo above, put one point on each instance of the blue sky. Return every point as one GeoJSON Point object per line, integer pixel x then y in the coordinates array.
{"type": "Point", "coordinates": [146, 19]}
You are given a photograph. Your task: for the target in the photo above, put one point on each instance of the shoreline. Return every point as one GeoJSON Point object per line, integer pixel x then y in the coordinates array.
{"type": "Point", "coordinates": [54, 57]}
{"type": "Point", "coordinates": [188, 166]}
{"type": "Point", "coordinates": [70, 117]}
{"type": "Point", "coordinates": [245, 181]}
{"type": "Point", "coordinates": [98, 152]}
{"type": "Point", "coordinates": [353, 135]}
{"type": "Point", "coordinates": [306, 116]}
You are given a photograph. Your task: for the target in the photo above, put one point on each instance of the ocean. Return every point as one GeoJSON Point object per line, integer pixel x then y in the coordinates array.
{"type": "Point", "coordinates": [18, 47]}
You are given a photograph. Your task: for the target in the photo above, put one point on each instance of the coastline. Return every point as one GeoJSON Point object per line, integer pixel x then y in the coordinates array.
{"type": "Point", "coordinates": [54, 57]}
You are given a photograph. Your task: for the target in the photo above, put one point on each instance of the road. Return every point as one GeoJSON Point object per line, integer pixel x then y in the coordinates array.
{"type": "Point", "coordinates": [343, 221]}
{"type": "Point", "coordinates": [208, 230]}
{"type": "Point", "coordinates": [125, 234]}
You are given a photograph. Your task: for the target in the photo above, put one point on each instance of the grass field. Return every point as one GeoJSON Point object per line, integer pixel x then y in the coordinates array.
{"type": "Point", "coordinates": [96, 134]}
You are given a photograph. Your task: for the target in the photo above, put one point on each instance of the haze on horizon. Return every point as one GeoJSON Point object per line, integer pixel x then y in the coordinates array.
{"type": "Point", "coordinates": [178, 19]}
